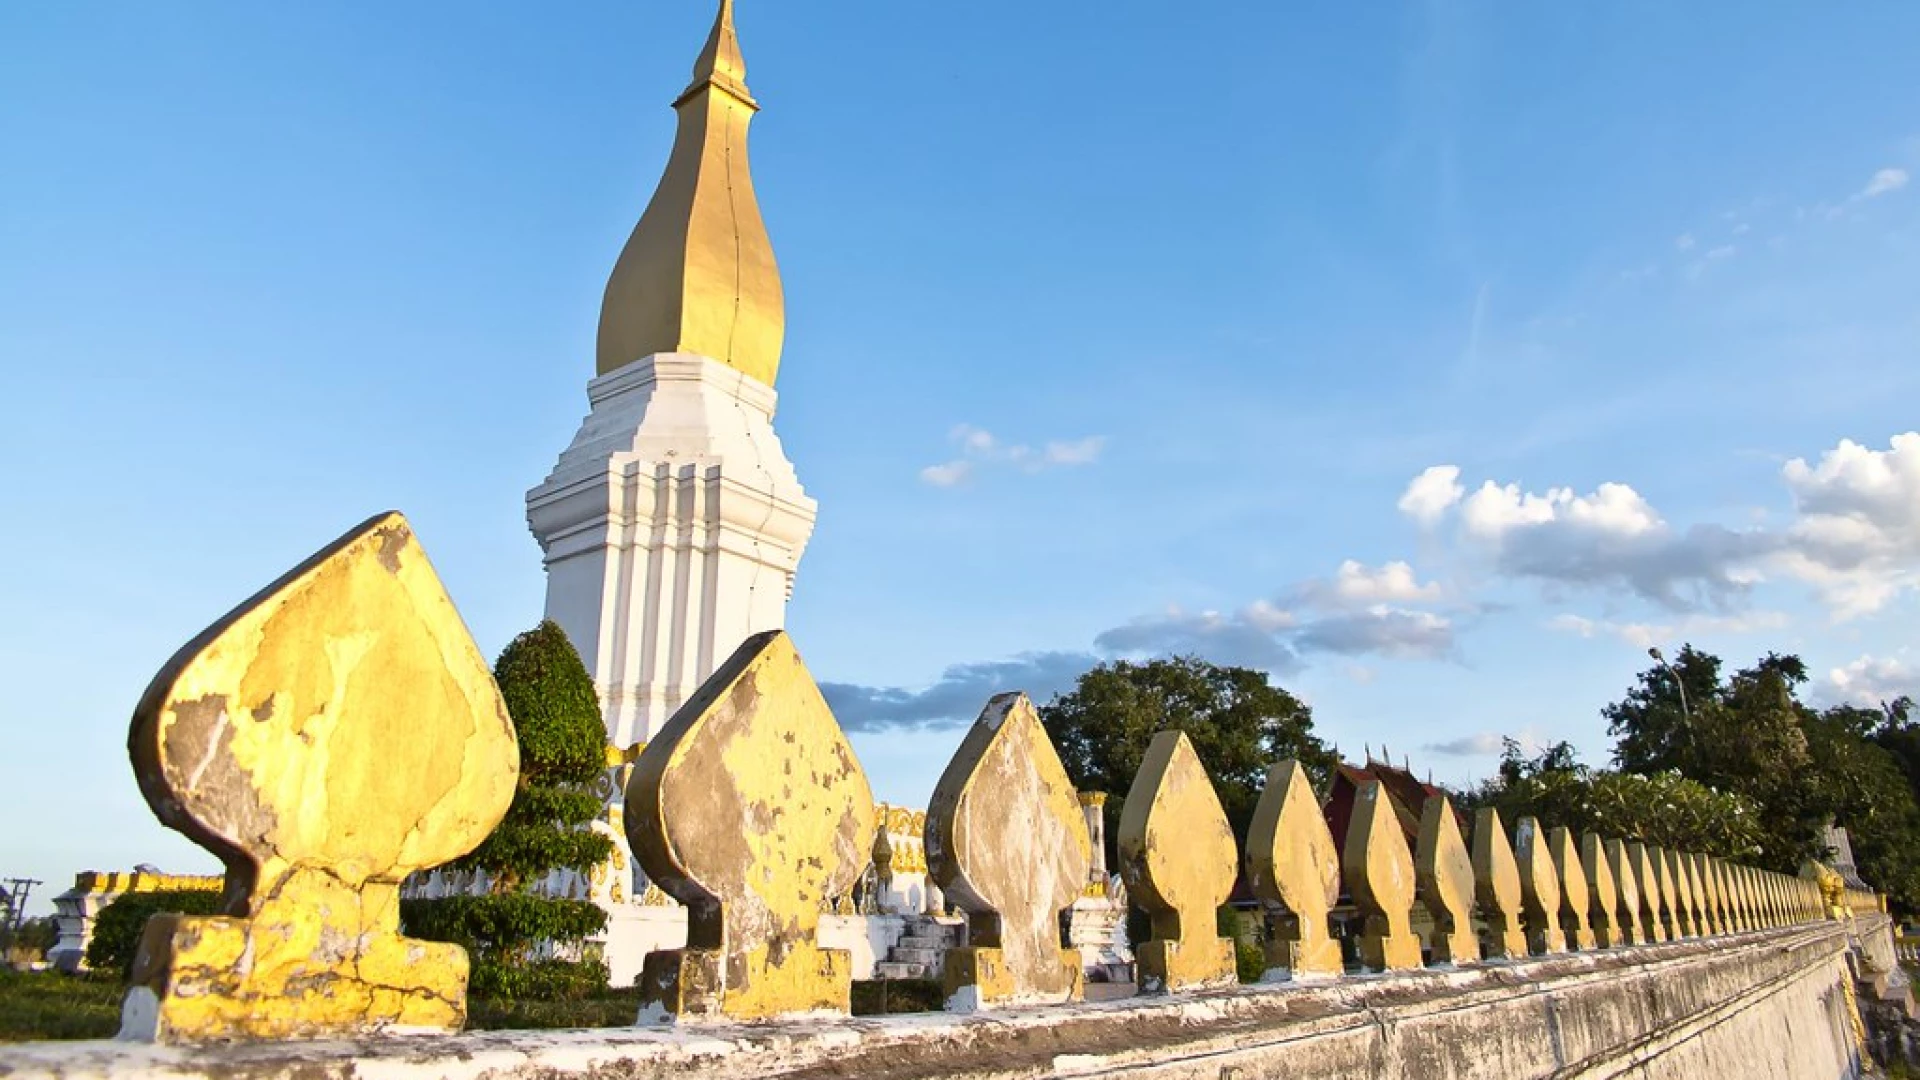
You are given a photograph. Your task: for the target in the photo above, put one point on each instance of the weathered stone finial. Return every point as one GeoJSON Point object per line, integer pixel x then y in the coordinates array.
{"type": "Point", "coordinates": [329, 736]}
{"type": "Point", "coordinates": [1576, 898]}
{"type": "Point", "coordinates": [1709, 889]}
{"type": "Point", "coordinates": [1756, 906]}
{"type": "Point", "coordinates": [1539, 888]}
{"type": "Point", "coordinates": [1669, 895]}
{"type": "Point", "coordinates": [1626, 877]}
{"type": "Point", "coordinates": [1007, 842]}
{"type": "Point", "coordinates": [1293, 867]}
{"type": "Point", "coordinates": [1750, 898]}
{"type": "Point", "coordinates": [1178, 858]}
{"type": "Point", "coordinates": [1680, 892]}
{"type": "Point", "coordinates": [1702, 916]}
{"type": "Point", "coordinates": [1379, 875]}
{"type": "Point", "coordinates": [1603, 895]}
{"type": "Point", "coordinates": [1736, 908]}
{"type": "Point", "coordinates": [1646, 874]}
{"type": "Point", "coordinates": [750, 808]}
{"type": "Point", "coordinates": [1496, 879]}
{"type": "Point", "coordinates": [1445, 872]}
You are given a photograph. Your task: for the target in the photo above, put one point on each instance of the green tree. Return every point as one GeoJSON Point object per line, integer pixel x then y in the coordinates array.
{"type": "Point", "coordinates": [1239, 722]}
{"type": "Point", "coordinates": [1664, 809]}
{"type": "Point", "coordinates": [117, 929]}
{"type": "Point", "coordinates": [1804, 768]}
{"type": "Point", "coordinates": [556, 717]}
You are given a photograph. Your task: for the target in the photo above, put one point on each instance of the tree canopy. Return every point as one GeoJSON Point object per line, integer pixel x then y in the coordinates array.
{"type": "Point", "coordinates": [1238, 721]}
{"type": "Point", "coordinates": [1751, 736]}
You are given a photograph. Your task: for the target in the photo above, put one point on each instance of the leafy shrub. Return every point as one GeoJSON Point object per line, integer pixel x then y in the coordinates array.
{"type": "Point", "coordinates": [556, 718]}
{"type": "Point", "coordinates": [117, 929]}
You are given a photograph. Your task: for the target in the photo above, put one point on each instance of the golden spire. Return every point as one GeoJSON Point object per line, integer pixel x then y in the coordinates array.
{"type": "Point", "coordinates": [698, 274]}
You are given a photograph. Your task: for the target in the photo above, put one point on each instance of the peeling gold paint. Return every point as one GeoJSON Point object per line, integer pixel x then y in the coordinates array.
{"type": "Point", "coordinates": [1603, 892]}
{"type": "Point", "coordinates": [750, 808]}
{"type": "Point", "coordinates": [1177, 857]}
{"type": "Point", "coordinates": [1444, 870]}
{"type": "Point", "coordinates": [1293, 866]}
{"type": "Point", "coordinates": [1379, 873]}
{"type": "Point", "coordinates": [1007, 841]}
{"type": "Point", "coordinates": [1576, 897]}
{"type": "Point", "coordinates": [1539, 888]}
{"type": "Point", "coordinates": [1496, 879]}
{"type": "Point", "coordinates": [331, 735]}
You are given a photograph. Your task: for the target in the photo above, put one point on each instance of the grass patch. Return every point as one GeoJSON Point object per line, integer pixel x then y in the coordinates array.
{"type": "Point", "coordinates": [879, 997]}
{"type": "Point", "coordinates": [51, 1005]}
{"type": "Point", "coordinates": [612, 1008]}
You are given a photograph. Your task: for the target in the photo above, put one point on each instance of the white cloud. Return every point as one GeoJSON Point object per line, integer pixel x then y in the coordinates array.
{"type": "Point", "coordinates": [1479, 744]}
{"type": "Point", "coordinates": [1684, 242]}
{"type": "Point", "coordinates": [1642, 635]}
{"type": "Point", "coordinates": [1078, 452]}
{"type": "Point", "coordinates": [1855, 536]}
{"type": "Point", "coordinates": [1884, 182]}
{"type": "Point", "coordinates": [1871, 681]}
{"type": "Point", "coordinates": [1355, 585]}
{"type": "Point", "coordinates": [980, 447]}
{"type": "Point", "coordinates": [948, 474]}
{"type": "Point", "coordinates": [1612, 509]}
{"type": "Point", "coordinates": [1724, 251]}
{"type": "Point", "coordinates": [1432, 493]}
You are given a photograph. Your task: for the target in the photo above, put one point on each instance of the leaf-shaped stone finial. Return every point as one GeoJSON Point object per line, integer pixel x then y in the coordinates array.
{"type": "Point", "coordinates": [1539, 888]}
{"type": "Point", "coordinates": [1576, 899]}
{"type": "Point", "coordinates": [326, 738]}
{"type": "Point", "coordinates": [1178, 858]}
{"type": "Point", "coordinates": [1496, 880]}
{"type": "Point", "coordinates": [750, 808]}
{"type": "Point", "coordinates": [1445, 873]}
{"type": "Point", "coordinates": [1379, 873]}
{"type": "Point", "coordinates": [1603, 906]}
{"type": "Point", "coordinates": [1007, 841]}
{"type": "Point", "coordinates": [1653, 907]}
{"type": "Point", "coordinates": [1713, 919]}
{"type": "Point", "coordinates": [1293, 867]}
{"type": "Point", "coordinates": [1679, 893]}
{"type": "Point", "coordinates": [1697, 896]}
{"type": "Point", "coordinates": [1626, 876]}
{"type": "Point", "coordinates": [1669, 895]}
{"type": "Point", "coordinates": [1730, 888]}
{"type": "Point", "coordinates": [1742, 901]}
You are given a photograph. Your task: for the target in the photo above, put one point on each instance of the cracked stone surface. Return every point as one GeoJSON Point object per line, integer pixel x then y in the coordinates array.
{"type": "Point", "coordinates": [1007, 842]}
{"type": "Point", "coordinates": [334, 733]}
{"type": "Point", "coordinates": [1293, 866]}
{"type": "Point", "coordinates": [1178, 859]}
{"type": "Point", "coordinates": [750, 808]}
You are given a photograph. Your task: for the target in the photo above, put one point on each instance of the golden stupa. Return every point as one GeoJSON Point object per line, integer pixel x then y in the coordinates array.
{"type": "Point", "coordinates": [698, 274]}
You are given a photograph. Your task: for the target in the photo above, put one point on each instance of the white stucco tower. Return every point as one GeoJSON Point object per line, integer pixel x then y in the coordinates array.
{"type": "Point", "coordinates": [673, 523]}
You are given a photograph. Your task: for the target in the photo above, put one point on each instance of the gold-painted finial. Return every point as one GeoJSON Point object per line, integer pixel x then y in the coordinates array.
{"type": "Point", "coordinates": [698, 273]}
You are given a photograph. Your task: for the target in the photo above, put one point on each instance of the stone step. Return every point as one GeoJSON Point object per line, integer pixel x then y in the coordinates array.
{"type": "Point", "coordinates": [925, 957]}
{"type": "Point", "coordinates": [924, 941]}
{"type": "Point", "coordinates": [887, 969]}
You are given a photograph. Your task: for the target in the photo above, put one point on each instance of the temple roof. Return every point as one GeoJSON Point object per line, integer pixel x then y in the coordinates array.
{"type": "Point", "coordinates": [698, 273]}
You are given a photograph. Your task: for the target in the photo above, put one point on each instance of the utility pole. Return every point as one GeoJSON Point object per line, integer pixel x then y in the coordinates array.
{"type": "Point", "coordinates": [14, 892]}
{"type": "Point", "coordinates": [1686, 714]}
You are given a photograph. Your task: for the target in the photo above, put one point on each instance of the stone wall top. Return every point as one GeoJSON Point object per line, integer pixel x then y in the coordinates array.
{"type": "Point", "coordinates": [1645, 1007]}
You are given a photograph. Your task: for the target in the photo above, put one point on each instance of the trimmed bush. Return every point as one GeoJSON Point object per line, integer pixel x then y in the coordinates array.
{"type": "Point", "coordinates": [556, 717]}
{"type": "Point", "coordinates": [117, 929]}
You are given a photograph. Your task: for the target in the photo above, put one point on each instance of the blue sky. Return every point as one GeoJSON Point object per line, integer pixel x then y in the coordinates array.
{"type": "Point", "coordinates": [1112, 330]}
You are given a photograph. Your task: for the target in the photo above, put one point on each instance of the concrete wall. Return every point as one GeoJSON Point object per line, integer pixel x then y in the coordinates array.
{"type": "Point", "coordinates": [1773, 1005]}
